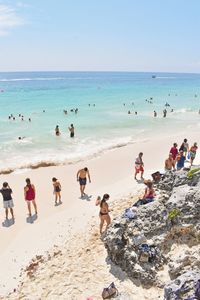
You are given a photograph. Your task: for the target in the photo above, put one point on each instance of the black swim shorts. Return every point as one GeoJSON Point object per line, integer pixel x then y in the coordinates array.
{"type": "Point", "coordinates": [82, 181]}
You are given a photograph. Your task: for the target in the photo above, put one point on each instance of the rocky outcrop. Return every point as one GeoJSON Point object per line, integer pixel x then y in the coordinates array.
{"type": "Point", "coordinates": [168, 228]}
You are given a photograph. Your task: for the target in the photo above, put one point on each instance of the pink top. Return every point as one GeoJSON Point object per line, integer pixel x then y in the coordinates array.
{"type": "Point", "coordinates": [30, 193]}
{"type": "Point", "coordinates": [174, 152]}
{"type": "Point", "coordinates": [149, 193]}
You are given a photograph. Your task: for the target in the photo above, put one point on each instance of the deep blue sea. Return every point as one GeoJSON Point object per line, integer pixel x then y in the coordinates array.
{"type": "Point", "coordinates": [103, 100]}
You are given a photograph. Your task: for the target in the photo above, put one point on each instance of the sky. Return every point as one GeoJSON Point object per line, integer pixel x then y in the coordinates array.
{"type": "Point", "coordinates": [100, 35]}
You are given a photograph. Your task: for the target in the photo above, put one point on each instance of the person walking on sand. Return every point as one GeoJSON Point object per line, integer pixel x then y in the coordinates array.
{"type": "Point", "coordinates": [57, 189]}
{"type": "Point", "coordinates": [104, 211]}
{"type": "Point", "coordinates": [7, 199]}
{"type": "Point", "coordinates": [82, 178]}
{"type": "Point", "coordinates": [174, 151]}
{"type": "Point", "coordinates": [169, 163]}
{"type": "Point", "coordinates": [180, 159]}
{"type": "Point", "coordinates": [192, 153]}
{"type": "Point", "coordinates": [184, 147]}
{"type": "Point", "coordinates": [71, 130]}
{"type": "Point", "coordinates": [29, 195]}
{"type": "Point", "coordinates": [139, 165]}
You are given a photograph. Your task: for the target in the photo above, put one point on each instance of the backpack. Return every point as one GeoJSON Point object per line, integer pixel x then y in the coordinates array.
{"type": "Point", "coordinates": [110, 291]}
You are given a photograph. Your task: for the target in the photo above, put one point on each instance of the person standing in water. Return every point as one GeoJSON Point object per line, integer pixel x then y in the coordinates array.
{"type": "Point", "coordinates": [29, 196]}
{"type": "Point", "coordinates": [57, 131]}
{"type": "Point", "coordinates": [104, 211]}
{"type": "Point", "coordinates": [57, 190]}
{"type": "Point", "coordinates": [71, 130]}
{"type": "Point", "coordinates": [82, 178]}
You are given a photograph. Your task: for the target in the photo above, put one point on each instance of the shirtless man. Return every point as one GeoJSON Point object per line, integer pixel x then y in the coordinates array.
{"type": "Point", "coordinates": [82, 178]}
{"type": "Point", "coordinates": [169, 163]}
{"type": "Point", "coordinates": [71, 130]}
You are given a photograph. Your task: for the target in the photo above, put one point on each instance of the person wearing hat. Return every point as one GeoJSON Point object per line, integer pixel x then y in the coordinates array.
{"type": "Point", "coordinates": [57, 190]}
{"type": "Point", "coordinates": [169, 163]}
{"type": "Point", "coordinates": [193, 151]}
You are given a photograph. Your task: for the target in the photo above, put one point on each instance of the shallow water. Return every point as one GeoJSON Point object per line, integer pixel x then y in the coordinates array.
{"type": "Point", "coordinates": [97, 128]}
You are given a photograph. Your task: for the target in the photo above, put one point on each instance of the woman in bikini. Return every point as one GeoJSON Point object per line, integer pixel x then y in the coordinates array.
{"type": "Point", "coordinates": [57, 190]}
{"type": "Point", "coordinates": [104, 211]}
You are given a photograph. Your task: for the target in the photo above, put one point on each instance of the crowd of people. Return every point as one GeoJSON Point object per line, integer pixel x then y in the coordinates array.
{"type": "Point", "coordinates": [175, 161]}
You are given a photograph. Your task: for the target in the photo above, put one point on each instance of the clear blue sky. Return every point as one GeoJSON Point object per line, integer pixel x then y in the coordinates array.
{"type": "Point", "coordinates": [115, 35]}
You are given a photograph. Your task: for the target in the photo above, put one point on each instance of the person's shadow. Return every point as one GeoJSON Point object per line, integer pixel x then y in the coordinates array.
{"type": "Point", "coordinates": [8, 222]}
{"type": "Point", "coordinates": [58, 203]}
{"type": "Point", "coordinates": [86, 197]}
{"type": "Point", "coordinates": [31, 219]}
{"type": "Point", "coordinates": [139, 180]}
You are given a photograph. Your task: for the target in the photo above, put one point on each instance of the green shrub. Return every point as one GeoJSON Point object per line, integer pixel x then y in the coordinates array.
{"type": "Point", "coordinates": [173, 214]}
{"type": "Point", "coordinates": [191, 172]}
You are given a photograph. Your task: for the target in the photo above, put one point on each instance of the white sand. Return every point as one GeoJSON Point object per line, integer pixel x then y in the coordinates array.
{"type": "Point", "coordinates": [76, 273]}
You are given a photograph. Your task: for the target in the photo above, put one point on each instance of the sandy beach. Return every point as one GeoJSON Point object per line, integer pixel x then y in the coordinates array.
{"type": "Point", "coordinates": [73, 262]}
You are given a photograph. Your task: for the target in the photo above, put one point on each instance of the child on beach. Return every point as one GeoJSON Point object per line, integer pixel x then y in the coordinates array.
{"type": "Point", "coordinates": [57, 189]}
{"type": "Point", "coordinates": [7, 199]}
{"type": "Point", "coordinates": [104, 211]}
{"type": "Point", "coordinates": [29, 196]}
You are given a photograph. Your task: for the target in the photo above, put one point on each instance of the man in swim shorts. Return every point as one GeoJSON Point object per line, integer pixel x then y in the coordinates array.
{"type": "Point", "coordinates": [82, 178]}
{"type": "Point", "coordinates": [139, 165]}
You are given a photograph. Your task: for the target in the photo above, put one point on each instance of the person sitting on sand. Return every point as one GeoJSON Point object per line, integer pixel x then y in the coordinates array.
{"type": "Point", "coordinates": [82, 178]}
{"type": "Point", "coordinates": [139, 165]}
{"type": "Point", "coordinates": [193, 151]}
{"type": "Point", "coordinates": [29, 195]}
{"type": "Point", "coordinates": [7, 199]}
{"type": "Point", "coordinates": [169, 163]}
{"type": "Point", "coordinates": [57, 189]}
{"type": "Point", "coordinates": [149, 194]}
{"type": "Point", "coordinates": [104, 211]}
{"type": "Point", "coordinates": [174, 151]}
{"type": "Point", "coordinates": [180, 160]}
{"type": "Point", "coordinates": [71, 129]}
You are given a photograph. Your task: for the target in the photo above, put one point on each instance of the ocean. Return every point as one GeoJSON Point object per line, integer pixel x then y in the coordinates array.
{"type": "Point", "coordinates": [102, 122]}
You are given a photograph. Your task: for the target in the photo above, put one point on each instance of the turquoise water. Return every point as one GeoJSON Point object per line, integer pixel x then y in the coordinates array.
{"type": "Point", "coordinates": [97, 128]}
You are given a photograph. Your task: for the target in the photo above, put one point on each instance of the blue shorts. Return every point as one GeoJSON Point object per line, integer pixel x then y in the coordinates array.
{"type": "Point", "coordinates": [82, 181]}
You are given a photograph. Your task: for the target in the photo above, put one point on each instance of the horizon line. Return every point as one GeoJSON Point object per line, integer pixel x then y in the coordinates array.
{"type": "Point", "coordinates": [100, 71]}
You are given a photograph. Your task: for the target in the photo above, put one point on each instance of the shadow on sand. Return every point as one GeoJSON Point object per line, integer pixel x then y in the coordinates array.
{"type": "Point", "coordinates": [31, 219]}
{"type": "Point", "coordinates": [58, 203]}
{"type": "Point", "coordinates": [8, 222]}
{"type": "Point", "coordinates": [86, 197]}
